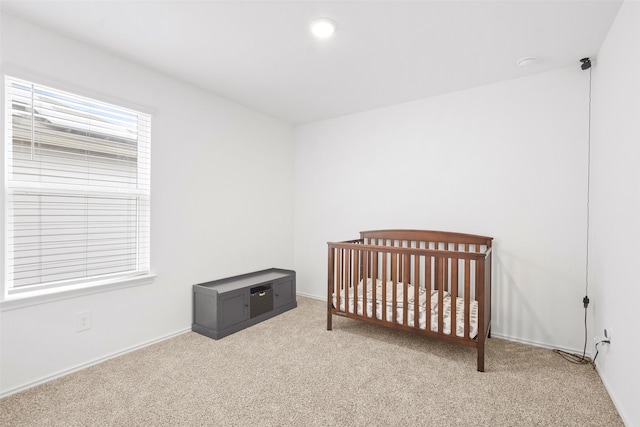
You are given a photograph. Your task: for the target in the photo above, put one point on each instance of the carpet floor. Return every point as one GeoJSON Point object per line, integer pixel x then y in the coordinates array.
{"type": "Point", "coordinates": [291, 371]}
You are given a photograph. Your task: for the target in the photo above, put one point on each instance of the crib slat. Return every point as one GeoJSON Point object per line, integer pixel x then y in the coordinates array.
{"type": "Point", "coordinates": [400, 264]}
{"type": "Point", "coordinates": [346, 268]}
{"type": "Point", "coordinates": [384, 286]}
{"type": "Point", "coordinates": [365, 280]}
{"type": "Point", "coordinates": [374, 285]}
{"type": "Point", "coordinates": [416, 291]}
{"type": "Point", "coordinates": [349, 274]}
{"type": "Point", "coordinates": [455, 265]}
{"type": "Point", "coordinates": [354, 279]}
{"type": "Point", "coordinates": [405, 291]}
{"type": "Point", "coordinates": [467, 297]}
{"type": "Point", "coordinates": [439, 274]}
{"type": "Point", "coordinates": [428, 286]}
{"type": "Point", "coordinates": [445, 275]}
{"type": "Point", "coordinates": [340, 274]}
{"type": "Point", "coordinates": [394, 290]}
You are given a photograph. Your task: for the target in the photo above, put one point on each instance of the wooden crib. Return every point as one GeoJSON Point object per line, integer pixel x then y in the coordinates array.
{"type": "Point", "coordinates": [391, 277]}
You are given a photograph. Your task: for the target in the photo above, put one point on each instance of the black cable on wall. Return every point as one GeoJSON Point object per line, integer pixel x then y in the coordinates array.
{"type": "Point", "coordinates": [576, 358]}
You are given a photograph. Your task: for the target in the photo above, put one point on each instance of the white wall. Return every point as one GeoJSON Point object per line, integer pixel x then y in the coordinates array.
{"type": "Point", "coordinates": [222, 204]}
{"type": "Point", "coordinates": [615, 213]}
{"type": "Point", "coordinates": [506, 160]}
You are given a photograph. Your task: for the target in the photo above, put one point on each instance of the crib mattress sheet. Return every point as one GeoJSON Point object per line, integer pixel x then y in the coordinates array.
{"type": "Point", "coordinates": [399, 309]}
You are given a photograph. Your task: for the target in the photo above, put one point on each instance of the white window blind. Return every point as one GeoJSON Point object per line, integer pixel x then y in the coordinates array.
{"type": "Point", "coordinates": [77, 180]}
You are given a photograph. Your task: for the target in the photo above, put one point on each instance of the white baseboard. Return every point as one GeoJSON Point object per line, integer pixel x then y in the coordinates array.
{"type": "Point", "coordinates": [91, 363]}
{"type": "Point", "coordinates": [539, 344]}
{"type": "Point", "coordinates": [612, 396]}
{"type": "Point", "coordinates": [312, 296]}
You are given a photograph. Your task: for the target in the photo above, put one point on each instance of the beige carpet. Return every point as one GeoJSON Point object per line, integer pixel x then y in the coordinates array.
{"type": "Point", "coordinates": [290, 371]}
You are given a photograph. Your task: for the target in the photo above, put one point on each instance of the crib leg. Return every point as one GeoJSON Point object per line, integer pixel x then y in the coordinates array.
{"type": "Point", "coordinates": [329, 318]}
{"type": "Point", "coordinates": [481, 356]}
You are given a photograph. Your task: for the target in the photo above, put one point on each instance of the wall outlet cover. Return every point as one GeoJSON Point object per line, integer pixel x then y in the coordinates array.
{"type": "Point", "coordinates": [83, 321]}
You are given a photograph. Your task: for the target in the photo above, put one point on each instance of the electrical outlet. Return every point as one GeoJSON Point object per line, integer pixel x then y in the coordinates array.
{"type": "Point", "coordinates": [607, 334]}
{"type": "Point", "coordinates": [83, 321]}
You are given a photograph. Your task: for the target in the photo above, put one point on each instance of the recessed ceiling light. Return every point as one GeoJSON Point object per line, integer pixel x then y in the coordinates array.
{"type": "Point", "coordinates": [323, 27]}
{"type": "Point", "coordinates": [525, 62]}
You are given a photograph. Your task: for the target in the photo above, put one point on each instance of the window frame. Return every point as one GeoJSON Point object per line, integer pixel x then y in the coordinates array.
{"type": "Point", "coordinates": [12, 297]}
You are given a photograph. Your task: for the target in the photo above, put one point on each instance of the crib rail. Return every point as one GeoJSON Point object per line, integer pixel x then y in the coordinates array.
{"type": "Point", "coordinates": [404, 278]}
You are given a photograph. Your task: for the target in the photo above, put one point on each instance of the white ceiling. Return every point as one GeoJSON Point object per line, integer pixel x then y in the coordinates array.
{"type": "Point", "coordinates": [261, 54]}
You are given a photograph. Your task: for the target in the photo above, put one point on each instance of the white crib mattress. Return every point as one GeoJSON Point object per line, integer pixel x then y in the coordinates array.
{"type": "Point", "coordinates": [446, 302]}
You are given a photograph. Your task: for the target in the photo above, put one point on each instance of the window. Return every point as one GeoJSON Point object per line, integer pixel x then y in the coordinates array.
{"type": "Point", "coordinates": [77, 190]}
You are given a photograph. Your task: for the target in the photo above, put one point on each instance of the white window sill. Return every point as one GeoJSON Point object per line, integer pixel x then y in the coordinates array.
{"type": "Point", "coordinates": [57, 294]}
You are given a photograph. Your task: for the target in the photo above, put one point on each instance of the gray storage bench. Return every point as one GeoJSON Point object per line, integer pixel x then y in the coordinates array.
{"type": "Point", "coordinates": [225, 306]}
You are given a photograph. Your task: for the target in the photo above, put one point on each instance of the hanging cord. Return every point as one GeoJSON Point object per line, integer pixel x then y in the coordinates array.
{"type": "Point", "coordinates": [576, 358]}
{"type": "Point", "coordinates": [586, 290]}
